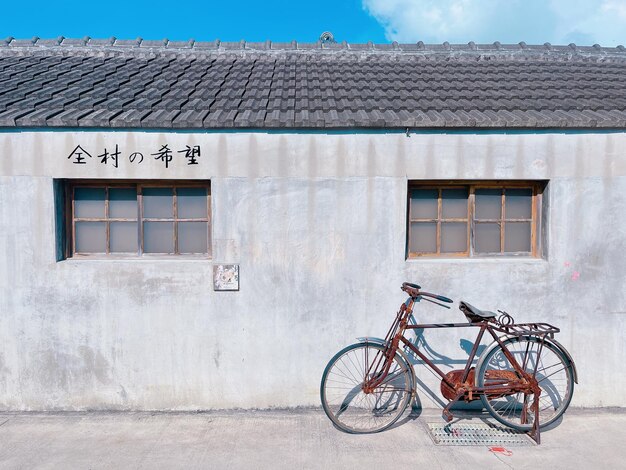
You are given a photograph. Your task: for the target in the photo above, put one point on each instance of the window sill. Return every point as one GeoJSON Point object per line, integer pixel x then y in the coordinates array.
{"type": "Point", "coordinates": [494, 260]}
{"type": "Point", "coordinates": [133, 258]}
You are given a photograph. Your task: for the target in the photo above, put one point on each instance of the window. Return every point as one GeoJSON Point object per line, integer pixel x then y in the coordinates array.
{"type": "Point", "coordinates": [472, 220]}
{"type": "Point", "coordinates": [137, 219]}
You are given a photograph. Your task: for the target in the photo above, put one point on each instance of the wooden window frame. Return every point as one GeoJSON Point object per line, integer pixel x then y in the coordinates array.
{"type": "Point", "coordinates": [438, 221]}
{"type": "Point", "coordinates": [139, 186]}
{"type": "Point", "coordinates": [537, 188]}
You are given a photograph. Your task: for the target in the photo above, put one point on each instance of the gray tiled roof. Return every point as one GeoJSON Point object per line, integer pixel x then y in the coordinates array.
{"type": "Point", "coordinates": [196, 85]}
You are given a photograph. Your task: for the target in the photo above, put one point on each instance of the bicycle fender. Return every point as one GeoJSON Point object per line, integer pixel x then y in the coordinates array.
{"type": "Point", "coordinates": [405, 358]}
{"type": "Point", "coordinates": [568, 355]}
{"type": "Point", "coordinates": [371, 339]}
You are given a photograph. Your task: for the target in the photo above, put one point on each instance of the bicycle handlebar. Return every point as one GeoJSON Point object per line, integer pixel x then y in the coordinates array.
{"type": "Point", "coordinates": [414, 291]}
{"type": "Point", "coordinates": [410, 284]}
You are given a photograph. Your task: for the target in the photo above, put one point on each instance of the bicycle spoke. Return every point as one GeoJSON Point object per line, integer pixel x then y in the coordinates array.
{"type": "Point", "coordinates": [346, 402]}
{"type": "Point", "coordinates": [552, 373]}
{"type": "Point", "coordinates": [347, 369]}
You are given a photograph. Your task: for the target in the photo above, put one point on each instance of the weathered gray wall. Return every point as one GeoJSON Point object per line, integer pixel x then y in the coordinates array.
{"type": "Point", "coordinates": [317, 223]}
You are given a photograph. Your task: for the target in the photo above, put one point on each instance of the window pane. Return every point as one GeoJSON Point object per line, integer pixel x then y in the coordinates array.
{"type": "Point", "coordinates": [518, 204]}
{"type": "Point", "coordinates": [91, 237]}
{"type": "Point", "coordinates": [454, 203]}
{"type": "Point", "coordinates": [453, 237]}
{"type": "Point", "coordinates": [123, 203]}
{"type": "Point", "coordinates": [423, 238]}
{"type": "Point", "coordinates": [424, 203]}
{"type": "Point", "coordinates": [192, 203]}
{"type": "Point", "coordinates": [517, 236]}
{"type": "Point", "coordinates": [158, 203]}
{"type": "Point", "coordinates": [487, 238]}
{"type": "Point", "coordinates": [158, 237]}
{"type": "Point", "coordinates": [89, 202]}
{"type": "Point", "coordinates": [488, 204]}
{"type": "Point", "coordinates": [192, 237]}
{"type": "Point", "coordinates": [123, 237]}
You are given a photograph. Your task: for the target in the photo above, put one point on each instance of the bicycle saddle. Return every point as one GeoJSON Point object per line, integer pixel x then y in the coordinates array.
{"type": "Point", "coordinates": [471, 311]}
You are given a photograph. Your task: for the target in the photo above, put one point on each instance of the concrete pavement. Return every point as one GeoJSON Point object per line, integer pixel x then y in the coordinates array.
{"type": "Point", "coordinates": [285, 439]}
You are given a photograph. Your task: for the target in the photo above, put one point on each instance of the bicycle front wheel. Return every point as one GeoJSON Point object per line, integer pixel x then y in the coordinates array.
{"type": "Point", "coordinates": [553, 372]}
{"type": "Point", "coordinates": [348, 406]}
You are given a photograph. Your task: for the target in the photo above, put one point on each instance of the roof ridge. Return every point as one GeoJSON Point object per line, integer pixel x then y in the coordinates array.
{"type": "Point", "coordinates": [243, 45]}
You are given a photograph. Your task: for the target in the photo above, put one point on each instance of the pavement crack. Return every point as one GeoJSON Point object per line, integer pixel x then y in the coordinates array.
{"type": "Point", "coordinates": [498, 457]}
{"type": "Point", "coordinates": [4, 422]}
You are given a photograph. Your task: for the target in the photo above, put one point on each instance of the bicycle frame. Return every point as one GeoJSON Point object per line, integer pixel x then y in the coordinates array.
{"type": "Point", "coordinates": [525, 383]}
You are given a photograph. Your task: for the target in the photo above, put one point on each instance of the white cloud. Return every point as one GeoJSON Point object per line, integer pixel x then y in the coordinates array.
{"type": "Point", "coordinates": [510, 21]}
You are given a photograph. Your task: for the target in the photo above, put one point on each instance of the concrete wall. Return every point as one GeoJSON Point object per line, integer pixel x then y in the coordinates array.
{"type": "Point", "coordinates": [317, 223]}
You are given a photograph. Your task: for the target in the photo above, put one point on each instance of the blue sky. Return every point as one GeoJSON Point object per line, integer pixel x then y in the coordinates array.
{"type": "Point", "coordinates": [432, 21]}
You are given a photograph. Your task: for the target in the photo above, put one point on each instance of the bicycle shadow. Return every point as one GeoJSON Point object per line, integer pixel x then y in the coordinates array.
{"type": "Point", "coordinates": [439, 359]}
{"type": "Point", "coordinates": [462, 410]}
{"type": "Point", "coordinates": [416, 412]}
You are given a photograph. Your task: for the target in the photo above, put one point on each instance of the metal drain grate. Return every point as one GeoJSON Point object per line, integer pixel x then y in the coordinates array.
{"type": "Point", "coordinates": [476, 434]}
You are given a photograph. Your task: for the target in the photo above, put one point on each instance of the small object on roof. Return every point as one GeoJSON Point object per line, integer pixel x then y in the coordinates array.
{"type": "Point", "coordinates": [327, 36]}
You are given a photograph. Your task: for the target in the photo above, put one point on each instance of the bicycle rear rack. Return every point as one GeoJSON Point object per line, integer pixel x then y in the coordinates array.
{"type": "Point", "coordinates": [506, 324]}
{"type": "Point", "coordinates": [527, 329]}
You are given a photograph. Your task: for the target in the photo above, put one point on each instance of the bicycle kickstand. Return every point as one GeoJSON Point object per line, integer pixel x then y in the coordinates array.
{"type": "Point", "coordinates": [535, 433]}
{"type": "Point", "coordinates": [446, 414]}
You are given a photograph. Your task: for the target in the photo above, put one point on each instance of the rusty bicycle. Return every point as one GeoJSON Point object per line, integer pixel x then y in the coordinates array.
{"type": "Point", "coordinates": [525, 378]}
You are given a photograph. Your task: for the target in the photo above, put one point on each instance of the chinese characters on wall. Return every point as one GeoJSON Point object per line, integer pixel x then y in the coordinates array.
{"type": "Point", "coordinates": [113, 156]}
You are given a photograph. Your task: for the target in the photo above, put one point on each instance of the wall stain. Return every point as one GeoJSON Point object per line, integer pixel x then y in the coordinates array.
{"type": "Point", "coordinates": [282, 170]}
{"type": "Point", "coordinates": [39, 157]}
{"type": "Point", "coordinates": [460, 146]}
{"type": "Point", "coordinates": [490, 165]}
{"type": "Point", "coordinates": [6, 160]}
{"type": "Point", "coordinates": [97, 150]}
{"type": "Point", "coordinates": [59, 371]}
{"type": "Point", "coordinates": [340, 157]}
{"type": "Point", "coordinates": [576, 216]}
{"type": "Point", "coordinates": [251, 233]}
{"type": "Point", "coordinates": [253, 157]}
{"type": "Point", "coordinates": [550, 156]}
{"type": "Point", "coordinates": [371, 210]}
{"type": "Point", "coordinates": [4, 372]}
{"type": "Point", "coordinates": [94, 362]}
{"type": "Point", "coordinates": [216, 357]}
{"type": "Point", "coordinates": [372, 167]}
{"type": "Point", "coordinates": [400, 160]}
{"type": "Point", "coordinates": [222, 156]}
{"type": "Point", "coordinates": [426, 160]}
{"type": "Point", "coordinates": [609, 155]}
{"type": "Point", "coordinates": [519, 165]}
{"type": "Point", "coordinates": [312, 159]}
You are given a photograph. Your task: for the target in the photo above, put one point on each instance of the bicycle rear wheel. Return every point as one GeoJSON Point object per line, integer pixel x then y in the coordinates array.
{"type": "Point", "coordinates": [348, 406]}
{"type": "Point", "coordinates": [553, 372]}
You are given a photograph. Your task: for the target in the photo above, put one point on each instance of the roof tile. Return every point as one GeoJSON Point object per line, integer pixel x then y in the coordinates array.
{"type": "Point", "coordinates": [188, 84]}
